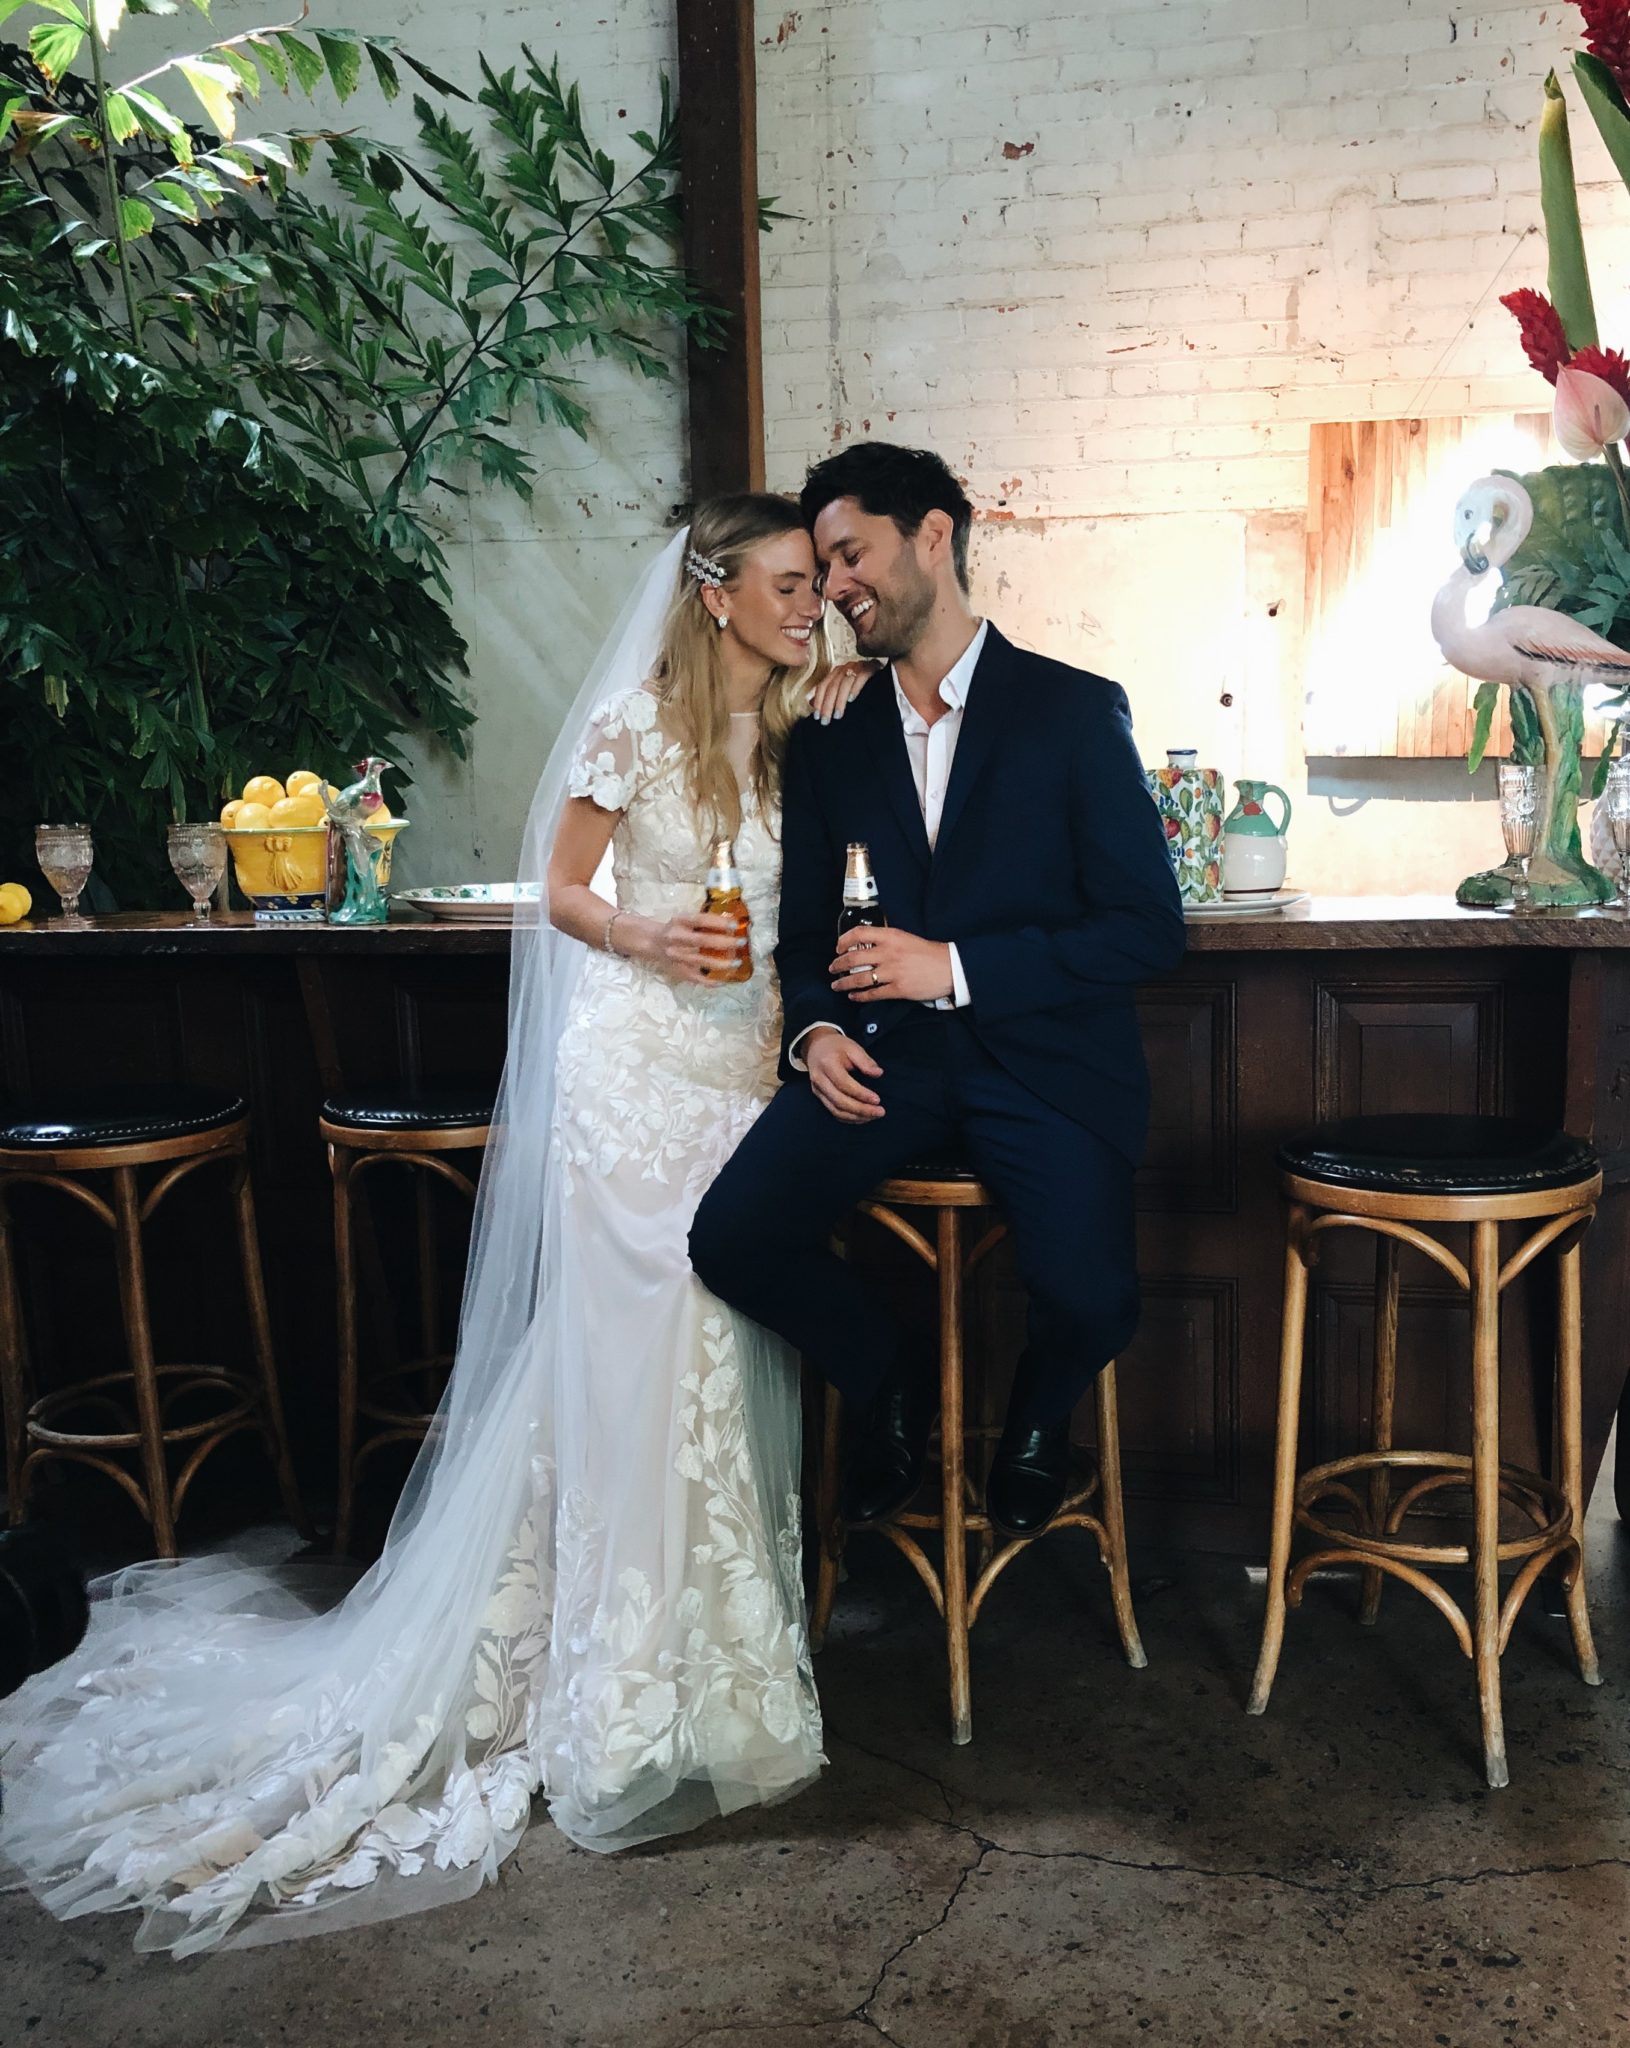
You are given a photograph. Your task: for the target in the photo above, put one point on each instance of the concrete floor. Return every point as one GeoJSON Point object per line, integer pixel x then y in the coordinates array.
{"type": "Point", "coordinates": [1119, 1857]}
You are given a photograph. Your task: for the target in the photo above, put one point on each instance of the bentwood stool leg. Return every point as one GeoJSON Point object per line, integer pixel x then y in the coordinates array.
{"type": "Point", "coordinates": [1485, 1292]}
{"type": "Point", "coordinates": [1291, 1339]}
{"type": "Point", "coordinates": [13, 1369]}
{"type": "Point", "coordinates": [1382, 1403]}
{"type": "Point", "coordinates": [429, 1291]}
{"type": "Point", "coordinates": [260, 1332]}
{"type": "Point", "coordinates": [828, 1535]}
{"type": "Point", "coordinates": [1570, 1454]}
{"type": "Point", "coordinates": [1110, 1499]}
{"type": "Point", "coordinates": [341, 1160]}
{"type": "Point", "coordinates": [144, 1374]}
{"type": "Point", "coordinates": [952, 1477]}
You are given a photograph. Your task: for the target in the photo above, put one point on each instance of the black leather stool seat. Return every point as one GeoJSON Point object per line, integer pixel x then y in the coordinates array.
{"type": "Point", "coordinates": [1439, 1155]}
{"type": "Point", "coordinates": [116, 1116]}
{"type": "Point", "coordinates": [412, 1109]}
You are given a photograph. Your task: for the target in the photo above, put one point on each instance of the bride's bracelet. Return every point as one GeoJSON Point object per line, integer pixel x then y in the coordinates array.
{"type": "Point", "coordinates": [605, 936]}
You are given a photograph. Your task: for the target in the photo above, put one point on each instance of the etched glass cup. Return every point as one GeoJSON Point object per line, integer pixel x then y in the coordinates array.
{"type": "Point", "coordinates": [1616, 796]}
{"type": "Point", "coordinates": [1519, 822]}
{"type": "Point", "coordinates": [198, 856]}
{"type": "Point", "coordinates": [65, 856]}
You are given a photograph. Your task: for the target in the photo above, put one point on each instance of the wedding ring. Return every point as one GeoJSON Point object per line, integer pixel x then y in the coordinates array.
{"type": "Point", "coordinates": [875, 982]}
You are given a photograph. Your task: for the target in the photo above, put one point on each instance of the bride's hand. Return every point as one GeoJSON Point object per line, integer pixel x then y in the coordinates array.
{"type": "Point", "coordinates": [685, 945]}
{"type": "Point", "coordinates": [839, 688]}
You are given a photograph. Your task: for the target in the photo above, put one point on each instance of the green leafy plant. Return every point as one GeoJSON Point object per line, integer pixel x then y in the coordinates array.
{"type": "Point", "coordinates": [232, 411]}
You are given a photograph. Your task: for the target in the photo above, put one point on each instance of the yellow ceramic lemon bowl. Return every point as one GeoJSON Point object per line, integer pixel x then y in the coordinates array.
{"type": "Point", "coordinates": [283, 870]}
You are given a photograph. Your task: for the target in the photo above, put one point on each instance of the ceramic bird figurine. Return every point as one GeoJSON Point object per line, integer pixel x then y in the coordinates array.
{"type": "Point", "coordinates": [349, 812]}
{"type": "Point", "coordinates": [1526, 646]}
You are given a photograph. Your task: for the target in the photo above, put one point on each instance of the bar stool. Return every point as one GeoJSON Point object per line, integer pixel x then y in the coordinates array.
{"type": "Point", "coordinates": [948, 1191]}
{"type": "Point", "coordinates": [413, 1127]}
{"type": "Point", "coordinates": [1390, 1175]}
{"type": "Point", "coordinates": [63, 1143]}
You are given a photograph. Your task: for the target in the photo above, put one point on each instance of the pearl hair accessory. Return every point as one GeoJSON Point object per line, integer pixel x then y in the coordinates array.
{"type": "Point", "coordinates": [704, 571]}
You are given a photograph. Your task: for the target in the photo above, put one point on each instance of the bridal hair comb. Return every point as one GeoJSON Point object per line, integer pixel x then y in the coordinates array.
{"type": "Point", "coordinates": [704, 571]}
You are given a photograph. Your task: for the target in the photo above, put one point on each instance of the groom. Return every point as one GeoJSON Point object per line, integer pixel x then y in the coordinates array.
{"type": "Point", "coordinates": [1028, 889]}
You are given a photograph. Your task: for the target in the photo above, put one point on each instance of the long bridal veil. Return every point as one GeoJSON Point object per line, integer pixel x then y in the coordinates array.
{"type": "Point", "coordinates": [241, 1768]}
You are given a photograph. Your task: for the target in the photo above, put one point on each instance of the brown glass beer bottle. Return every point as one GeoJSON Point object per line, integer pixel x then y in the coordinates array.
{"type": "Point", "coordinates": [724, 899]}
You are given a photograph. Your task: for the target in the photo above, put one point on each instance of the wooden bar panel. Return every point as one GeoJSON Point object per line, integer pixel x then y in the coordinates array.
{"type": "Point", "coordinates": [1269, 1025]}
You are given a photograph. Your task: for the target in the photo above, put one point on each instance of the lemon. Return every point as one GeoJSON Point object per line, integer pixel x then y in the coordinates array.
{"type": "Point", "coordinates": [263, 789]}
{"type": "Point", "coordinates": [301, 780]}
{"type": "Point", "coordinates": [229, 812]}
{"type": "Point", "coordinates": [15, 902]}
{"type": "Point", "coordinates": [304, 809]}
{"type": "Point", "coordinates": [252, 817]}
{"type": "Point", "coordinates": [380, 818]}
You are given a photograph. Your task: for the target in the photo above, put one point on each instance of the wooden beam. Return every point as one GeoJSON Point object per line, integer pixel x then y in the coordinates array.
{"type": "Point", "coordinates": [718, 147]}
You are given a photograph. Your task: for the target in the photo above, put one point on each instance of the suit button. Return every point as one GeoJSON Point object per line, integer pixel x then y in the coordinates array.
{"type": "Point", "coordinates": [870, 1028]}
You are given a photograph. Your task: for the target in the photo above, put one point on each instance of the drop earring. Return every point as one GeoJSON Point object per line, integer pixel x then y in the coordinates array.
{"type": "Point", "coordinates": [722, 621]}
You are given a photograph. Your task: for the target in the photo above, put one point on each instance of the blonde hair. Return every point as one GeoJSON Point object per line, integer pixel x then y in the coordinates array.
{"type": "Point", "coordinates": [689, 676]}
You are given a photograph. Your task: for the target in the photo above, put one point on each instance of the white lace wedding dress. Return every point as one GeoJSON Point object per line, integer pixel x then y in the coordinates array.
{"type": "Point", "coordinates": [597, 1591]}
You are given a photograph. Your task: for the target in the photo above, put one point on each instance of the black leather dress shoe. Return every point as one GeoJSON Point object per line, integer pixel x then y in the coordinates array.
{"type": "Point", "coordinates": [887, 1451]}
{"type": "Point", "coordinates": [1029, 1477]}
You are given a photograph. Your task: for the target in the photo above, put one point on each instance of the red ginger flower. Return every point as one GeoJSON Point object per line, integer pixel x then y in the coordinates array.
{"type": "Point", "coordinates": [1607, 35]}
{"type": "Point", "coordinates": [1609, 365]}
{"type": "Point", "coordinates": [1544, 340]}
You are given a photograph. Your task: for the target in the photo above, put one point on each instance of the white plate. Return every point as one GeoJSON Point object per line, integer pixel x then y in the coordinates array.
{"type": "Point", "coordinates": [483, 901]}
{"type": "Point", "coordinates": [1248, 906]}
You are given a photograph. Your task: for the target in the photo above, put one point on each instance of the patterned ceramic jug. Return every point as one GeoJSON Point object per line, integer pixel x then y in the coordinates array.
{"type": "Point", "coordinates": [1253, 861]}
{"type": "Point", "coordinates": [1189, 800]}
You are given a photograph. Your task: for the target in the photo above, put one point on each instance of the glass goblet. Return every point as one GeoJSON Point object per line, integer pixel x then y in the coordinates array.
{"type": "Point", "coordinates": [198, 856]}
{"type": "Point", "coordinates": [1617, 798]}
{"type": "Point", "coordinates": [65, 856]}
{"type": "Point", "coordinates": [1519, 822]}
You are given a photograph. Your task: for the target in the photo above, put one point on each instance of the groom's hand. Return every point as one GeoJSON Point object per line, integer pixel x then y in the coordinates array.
{"type": "Point", "coordinates": [834, 1064]}
{"type": "Point", "coordinates": [876, 963]}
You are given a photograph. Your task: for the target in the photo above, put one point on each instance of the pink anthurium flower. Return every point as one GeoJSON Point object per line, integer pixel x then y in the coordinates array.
{"type": "Point", "coordinates": [1590, 415]}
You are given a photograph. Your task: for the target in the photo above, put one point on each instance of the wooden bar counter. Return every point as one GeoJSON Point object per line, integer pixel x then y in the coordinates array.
{"type": "Point", "coordinates": [1338, 1007]}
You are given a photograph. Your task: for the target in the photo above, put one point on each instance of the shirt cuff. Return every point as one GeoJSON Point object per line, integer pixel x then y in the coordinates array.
{"type": "Point", "coordinates": [797, 1065]}
{"type": "Point", "coordinates": [959, 998]}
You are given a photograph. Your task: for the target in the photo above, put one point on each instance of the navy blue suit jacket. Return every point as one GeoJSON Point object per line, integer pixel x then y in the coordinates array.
{"type": "Point", "coordinates": [1050, 873]}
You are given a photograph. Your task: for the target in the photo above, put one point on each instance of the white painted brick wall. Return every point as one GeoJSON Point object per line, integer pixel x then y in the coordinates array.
{"type": "Point", "coordinates": [1113, 259]}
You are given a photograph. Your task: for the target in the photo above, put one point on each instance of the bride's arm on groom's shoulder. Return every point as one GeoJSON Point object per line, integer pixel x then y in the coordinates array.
{"type": "Point", "coordinates": [679, 948]}
{"type": "Point", "coordinates": [831, 697]}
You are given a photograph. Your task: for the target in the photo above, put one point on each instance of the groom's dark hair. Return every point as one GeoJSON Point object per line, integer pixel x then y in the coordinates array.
{"type": "Point", "coordinates": [901, 484]}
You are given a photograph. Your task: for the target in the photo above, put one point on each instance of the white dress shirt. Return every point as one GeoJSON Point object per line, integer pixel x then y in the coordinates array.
{"type": "Point", "coordinates": [931, 749]}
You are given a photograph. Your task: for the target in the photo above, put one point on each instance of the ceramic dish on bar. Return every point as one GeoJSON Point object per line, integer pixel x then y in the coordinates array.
{"type": "Point", "coordinates": [489, 902]}
{"type": "Point", "coordinates": [1263, 905]}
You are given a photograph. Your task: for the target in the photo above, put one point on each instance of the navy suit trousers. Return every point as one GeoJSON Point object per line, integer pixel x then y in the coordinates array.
{"type": "Point", "coordinates": [762, 1235]}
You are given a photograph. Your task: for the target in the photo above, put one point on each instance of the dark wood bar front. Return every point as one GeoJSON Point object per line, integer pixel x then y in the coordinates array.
{"type": "Point", "coordinates": [1339, 1007]}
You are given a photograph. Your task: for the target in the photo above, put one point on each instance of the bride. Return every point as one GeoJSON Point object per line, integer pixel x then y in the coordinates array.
{"type": "Point", "coordinates": [591, 1586]}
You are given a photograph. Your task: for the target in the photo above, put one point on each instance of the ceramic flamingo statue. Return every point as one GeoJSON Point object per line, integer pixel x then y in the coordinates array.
{"type": "Point", "coordinates": [1548, 657]}
{"type": "Point", "coordinates": [1525, 646]}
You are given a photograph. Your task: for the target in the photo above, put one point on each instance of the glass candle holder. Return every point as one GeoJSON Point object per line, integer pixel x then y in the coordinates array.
{"type": "Point", "coordinates": [198, 856]}
{"type": "Point", "coordinates": [65, 855]}
{"type": "Point", "coordinates": [1519, 823]}
{"type": "Point", "coordinates": [1616, 797]}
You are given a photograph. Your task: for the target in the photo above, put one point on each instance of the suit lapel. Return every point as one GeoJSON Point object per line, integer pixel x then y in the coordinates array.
{"type": "Point", "coordinates": [989, 702]}
{"type": "Point", "coordinates": [887, 757]}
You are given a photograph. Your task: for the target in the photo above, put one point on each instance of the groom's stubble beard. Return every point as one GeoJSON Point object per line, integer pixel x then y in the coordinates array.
{"type": "Point", "coordinates": [900, 617]}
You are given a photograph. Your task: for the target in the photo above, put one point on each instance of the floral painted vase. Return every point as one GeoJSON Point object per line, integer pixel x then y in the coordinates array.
{"type": "Point", "coordinates": [1189, 800]}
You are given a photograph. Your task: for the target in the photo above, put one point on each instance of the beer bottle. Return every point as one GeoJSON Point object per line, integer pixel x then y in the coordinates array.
{"type": "Point", "coordinates": [724, 899]}
{"type": "Point", "coordinates": [861, 904]}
